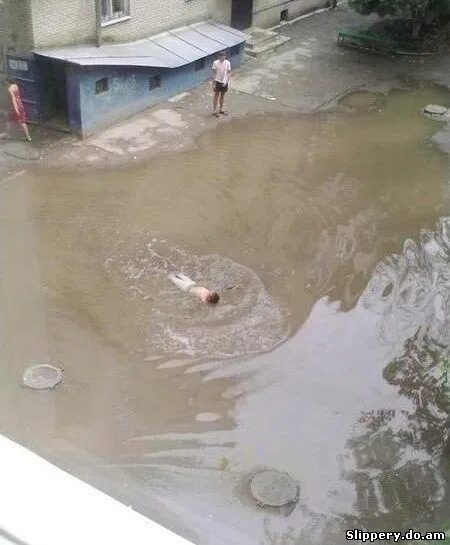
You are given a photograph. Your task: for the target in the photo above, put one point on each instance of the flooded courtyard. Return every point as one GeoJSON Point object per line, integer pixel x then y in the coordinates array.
{"type": "Point", "coordinates": [328, 237]}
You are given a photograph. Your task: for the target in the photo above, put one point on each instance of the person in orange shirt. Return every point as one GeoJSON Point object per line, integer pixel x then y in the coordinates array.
{"type": "Point", "coordinates": [17, 113]}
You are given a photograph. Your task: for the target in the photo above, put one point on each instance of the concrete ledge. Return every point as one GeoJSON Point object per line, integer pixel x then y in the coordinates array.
{"type": "Point", "coordinates": [271, 46]}
{"type": "Point", "coordinates": [261, 40]}
{"type": "Point", "coordinates": [42, 505]}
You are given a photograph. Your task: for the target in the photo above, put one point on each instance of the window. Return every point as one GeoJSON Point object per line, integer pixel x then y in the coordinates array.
{"type": "Point", "coordinates": [199, 65]}
{"type": "Point", "coordinates": [234, 50]}
{"type": "Point", "coordinates": [114, 9]}
{"type": "Point", "coordinates": [101, 86]}
{"type": "Point", "coordinates": [154, 82]}
{"type": "Point", "coordinates": [284, 15]}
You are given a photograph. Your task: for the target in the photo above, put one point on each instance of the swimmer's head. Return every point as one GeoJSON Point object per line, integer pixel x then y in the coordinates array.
{"type": "Point", "coordinates": [213, 298]}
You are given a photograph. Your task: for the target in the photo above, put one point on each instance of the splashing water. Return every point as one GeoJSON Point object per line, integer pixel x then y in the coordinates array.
{"type": "Point", "coordinates": [180, 330]}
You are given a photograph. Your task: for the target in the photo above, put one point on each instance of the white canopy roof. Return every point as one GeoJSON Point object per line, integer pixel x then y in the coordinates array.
{"type": "Point", "coordinates": [166, 50]}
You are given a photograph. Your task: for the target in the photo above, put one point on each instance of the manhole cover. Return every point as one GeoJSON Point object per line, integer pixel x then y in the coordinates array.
{"type": "Point", "coordinates": [273, 488]}
{"type": "Point", "coordinates": [41, 377]}
{"type": "Point", "coordinates": [435, 109]}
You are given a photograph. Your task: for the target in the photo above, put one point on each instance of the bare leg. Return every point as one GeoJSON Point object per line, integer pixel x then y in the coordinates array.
{"type": "Point", "coordinates": [8, 130]}
{"type": "Point", "coordinates": [222, 97]}
{"type": "Point", "coordinates": [215, 101]}
{"type": "Point", "coordinates": [26, 131]}
{"type": "Point", "coordinates": [182, 281]}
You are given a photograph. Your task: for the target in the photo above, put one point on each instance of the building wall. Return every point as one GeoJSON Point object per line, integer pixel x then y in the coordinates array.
{"type": "Point", "coordinates": [25, 24]}
{"type": "Point", "coordinates": [66, 22]}
{"type": "Point", "coordinates": [28, 24]}
{"type": "Point", "coordinates": [63, 22]}
{"type": "Point", "coordinates": [128, 92]}
{"type": "Point", "coordinates": [73, 88]}
{"type": "Point", "coordinates": [152, 16]}
{"type": "Point", "coordinates": [266, 13]}
{"type": "Point", "coordinates": [220, 11]}
{"type": "Point", "coordinates": [16, 33]}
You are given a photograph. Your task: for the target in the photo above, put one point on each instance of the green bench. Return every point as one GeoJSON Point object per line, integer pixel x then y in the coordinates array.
{"type": "Point", "coordinates": [364, 39]}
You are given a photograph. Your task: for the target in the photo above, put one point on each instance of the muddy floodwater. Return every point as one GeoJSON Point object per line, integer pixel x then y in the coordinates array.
{"type": "Point", "coordinates": [328, 238]}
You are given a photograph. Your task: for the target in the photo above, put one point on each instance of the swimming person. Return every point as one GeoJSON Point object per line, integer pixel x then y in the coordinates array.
{"type": "Point", "coordinates": [184, 283]}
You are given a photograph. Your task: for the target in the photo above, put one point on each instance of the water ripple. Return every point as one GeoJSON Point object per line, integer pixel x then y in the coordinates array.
{"type": "Point", "coordinates": [181, 330]}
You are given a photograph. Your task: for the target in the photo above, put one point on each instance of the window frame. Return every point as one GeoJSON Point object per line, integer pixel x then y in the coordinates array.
{"type": "Point", "coordinates": [111, 15]}
{"type": "Point", "coordinates": [157, 79]}
{"type": "Point", "coordinates": [99, 82]}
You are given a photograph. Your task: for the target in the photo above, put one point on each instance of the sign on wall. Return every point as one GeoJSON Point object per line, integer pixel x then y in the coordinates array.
{"type": "Point", "coordinates": [17, 64]}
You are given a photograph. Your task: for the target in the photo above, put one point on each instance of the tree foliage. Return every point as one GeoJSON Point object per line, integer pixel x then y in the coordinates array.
{"type": "Point", "coordinates": [419, 12]}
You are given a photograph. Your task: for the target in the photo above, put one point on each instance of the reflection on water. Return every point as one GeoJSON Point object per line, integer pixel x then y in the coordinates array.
{"type": "Point", "coordinates": [402, 469]}
{"type": "Point", "coordinates": [413, 288]}
{"type": "Point", "coordinates": [326, 359]}
{"type": "Point", "coordinates": [357, 444]}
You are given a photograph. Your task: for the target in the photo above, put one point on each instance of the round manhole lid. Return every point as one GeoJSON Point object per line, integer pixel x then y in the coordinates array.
{"type": "Point", "coordinates": [273, 488]}
{"type": "Point", "coordinates": [42, 377]}
{"type": "Point", "coordinates": [435, 109]}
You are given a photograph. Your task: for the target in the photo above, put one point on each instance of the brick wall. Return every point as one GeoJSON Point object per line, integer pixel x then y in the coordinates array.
{"type": "Point", "coordinates": [220, 11]}
{"type": "Point", "coordinates": [16, 34]}
{"type": "Point", "coordinates": [152, 16]}
{"type": "Point", "coordinates": [65, 22]}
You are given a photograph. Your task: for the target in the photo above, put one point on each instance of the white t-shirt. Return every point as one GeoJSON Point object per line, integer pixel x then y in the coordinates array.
{"type": "Point", "coordinates": [221, 68]}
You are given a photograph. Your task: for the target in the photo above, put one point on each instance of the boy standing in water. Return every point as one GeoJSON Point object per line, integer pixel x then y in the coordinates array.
{"type": "Point", "coordinates": [221, 76]}
{"type": "Point", "coordinates": [17, 113]}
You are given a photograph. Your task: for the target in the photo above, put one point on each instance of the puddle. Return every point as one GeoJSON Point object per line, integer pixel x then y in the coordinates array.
{"type": "Point", "coordinates": [363, 101]}
{"type": "Point", "coordinates": [328, 241]}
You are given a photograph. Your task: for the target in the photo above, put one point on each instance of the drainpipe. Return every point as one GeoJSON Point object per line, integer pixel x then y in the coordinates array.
{"type": "Point", "coordinates": [98, 22]}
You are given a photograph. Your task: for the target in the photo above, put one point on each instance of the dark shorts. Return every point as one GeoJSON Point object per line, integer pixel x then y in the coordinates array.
{"type": "Point", "coordinates": [220, 87]}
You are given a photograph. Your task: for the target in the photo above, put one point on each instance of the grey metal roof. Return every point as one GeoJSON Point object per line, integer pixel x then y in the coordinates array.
{"type": "Point", "coordinates": [205, 44]}
{"type": "Point", "coordinates": [166, 50]}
